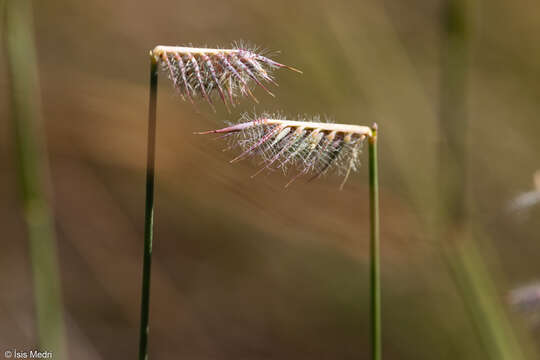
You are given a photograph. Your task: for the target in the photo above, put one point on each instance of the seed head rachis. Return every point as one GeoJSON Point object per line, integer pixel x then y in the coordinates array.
{"type": "Point", "coordinates": [200, 72]}
{"type": "Point", "coordinates": [309, 145]}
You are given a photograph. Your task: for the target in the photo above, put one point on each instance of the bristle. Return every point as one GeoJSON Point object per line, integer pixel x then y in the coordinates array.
{"type": "Point", "coordinates": [202, 85]}
{"type": "Point", "coordinates": [311, 147]}
{"type": "Point", "coordinates": [245, 69]}
{"type": "Point", "coordinates": [201, 72]}
{"type": "Point", "coordinates": [182, 68]}
{"type": "Point", "coordinates": [234, 75]}
{"type": "Point", "coordinates": [209, 65]}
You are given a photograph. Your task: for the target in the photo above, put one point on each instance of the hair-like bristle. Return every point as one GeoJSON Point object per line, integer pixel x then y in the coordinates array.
{"type": "Point", "coordinates": [310, 146]}
{"type": "Point", "coordinates": [201, 72]}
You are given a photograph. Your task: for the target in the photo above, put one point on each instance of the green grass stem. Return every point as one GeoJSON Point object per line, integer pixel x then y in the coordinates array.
{"type": "Point", "coordinates": [375, 280]}
{"type": "Point", "coordinates": [149, 212]}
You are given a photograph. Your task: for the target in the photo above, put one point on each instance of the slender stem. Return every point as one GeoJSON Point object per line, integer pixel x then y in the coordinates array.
{"type": "Point", "coordinates": [33, 174]}
{"type": "Point", "coordinates": [374, 248]}
{"type": "Point", "coordinates": [149, 212]}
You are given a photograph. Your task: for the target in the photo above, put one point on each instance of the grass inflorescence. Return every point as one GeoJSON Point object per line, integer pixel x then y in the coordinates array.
{"type": "Point", "coordinates": [309, 145]}
{"type": "Point", "coordinates": [201, 72]}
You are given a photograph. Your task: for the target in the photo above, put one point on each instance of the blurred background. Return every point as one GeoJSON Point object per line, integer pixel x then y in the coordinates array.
{"type": "Point", "coordinates": [243, 268]}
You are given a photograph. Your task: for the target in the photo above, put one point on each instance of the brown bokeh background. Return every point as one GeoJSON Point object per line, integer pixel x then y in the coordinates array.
{"type": "Point", "coordinates": [243, 268]}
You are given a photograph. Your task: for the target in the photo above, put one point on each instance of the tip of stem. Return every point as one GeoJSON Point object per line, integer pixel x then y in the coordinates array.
{"type": "Point", "coordinates": [156, 51]}
{"type": "Point", "coordinates": [374, 131]}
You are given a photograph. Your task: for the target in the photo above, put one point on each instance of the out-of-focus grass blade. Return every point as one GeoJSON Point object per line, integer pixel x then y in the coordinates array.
{"type": "Point", "coordinates": [33, 174]}
{"type": "Point", "coordinates": [459, 247]}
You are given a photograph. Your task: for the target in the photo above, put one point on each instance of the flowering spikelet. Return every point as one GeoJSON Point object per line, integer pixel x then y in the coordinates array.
{"type": "Point", "coordinates": [200, 72]}
{"type": "Point", "coordinates": [309, 145]}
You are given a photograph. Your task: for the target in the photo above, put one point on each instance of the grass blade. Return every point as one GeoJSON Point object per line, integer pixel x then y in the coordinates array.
{"type": "Point", "coordinates": [33, 175]}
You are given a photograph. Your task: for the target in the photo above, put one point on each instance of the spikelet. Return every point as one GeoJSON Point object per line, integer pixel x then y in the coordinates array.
{"type": "Point", "coordinates": [310, 146]}
{"type": "Point", "coordinates": [526, 297]}
{"type": "Point", "coordinates": [201, 72]}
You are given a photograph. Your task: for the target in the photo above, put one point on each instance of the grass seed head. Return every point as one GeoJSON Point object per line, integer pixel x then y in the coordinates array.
{"type": "Point", "coordinates": [309, 145]}
{"type": "Point", "coordinates": [201, 72]}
